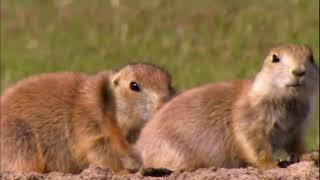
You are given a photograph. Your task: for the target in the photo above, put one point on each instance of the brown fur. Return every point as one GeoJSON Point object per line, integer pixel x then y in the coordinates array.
{"type": "Point", "coordinates": [231, 124]}
{"type": "Point", "coordinates": [66, 121]}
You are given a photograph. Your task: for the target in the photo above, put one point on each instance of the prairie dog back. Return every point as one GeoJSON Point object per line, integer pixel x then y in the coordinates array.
{"type": "Point", "coordinates": [184, 135]}
{"type": "Point", "coordinates": [39, 103]}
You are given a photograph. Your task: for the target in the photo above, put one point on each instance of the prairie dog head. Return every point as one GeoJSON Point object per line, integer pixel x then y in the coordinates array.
{"type": "Point", "coordinates": [139, 89]}
{"type": "Point", "coordinates": [288, 71]}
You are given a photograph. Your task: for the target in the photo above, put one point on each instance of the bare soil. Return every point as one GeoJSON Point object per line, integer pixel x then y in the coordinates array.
{"type": "Point", "coordinates": [304, 170]}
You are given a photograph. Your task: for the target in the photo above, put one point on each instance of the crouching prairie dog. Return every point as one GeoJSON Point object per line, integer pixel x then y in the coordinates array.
{"type": "Point", "coordinates": [67, 121]}
{"type": "Point", "coordinates": [231, 124]}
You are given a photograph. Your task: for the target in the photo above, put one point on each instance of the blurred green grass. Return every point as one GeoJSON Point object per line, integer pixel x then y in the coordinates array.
{"type": "Point", "coordinates": [197, 41]}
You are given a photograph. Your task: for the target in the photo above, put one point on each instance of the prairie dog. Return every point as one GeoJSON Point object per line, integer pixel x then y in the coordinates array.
{"type": "Point", "coordinates": [231, 124]}
{"type": "Point", "coordinates": [67, 121]}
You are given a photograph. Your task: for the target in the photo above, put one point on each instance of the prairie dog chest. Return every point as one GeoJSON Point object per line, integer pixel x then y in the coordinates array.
{"type": "Point", "coordinates": [286, 121]}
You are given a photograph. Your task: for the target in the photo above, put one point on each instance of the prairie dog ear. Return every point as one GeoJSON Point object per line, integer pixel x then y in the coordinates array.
{"type": "Point", "coordinates": [115, 78]}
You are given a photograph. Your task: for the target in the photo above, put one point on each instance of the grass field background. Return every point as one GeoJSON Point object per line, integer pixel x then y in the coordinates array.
{"type": "Point", "coordinates": [198, 41]}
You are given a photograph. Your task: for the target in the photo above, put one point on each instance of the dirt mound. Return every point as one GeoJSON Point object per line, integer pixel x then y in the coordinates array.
{"type": "Point", "coordinates": [302, 170]}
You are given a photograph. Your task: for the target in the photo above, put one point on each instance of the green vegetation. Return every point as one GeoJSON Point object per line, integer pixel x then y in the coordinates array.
{"type": "Point", "coordinates": [197, 41]}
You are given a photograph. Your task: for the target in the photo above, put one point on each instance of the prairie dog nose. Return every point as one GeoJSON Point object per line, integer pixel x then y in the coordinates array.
{"type": "Point", "coordinates": [299, 71]}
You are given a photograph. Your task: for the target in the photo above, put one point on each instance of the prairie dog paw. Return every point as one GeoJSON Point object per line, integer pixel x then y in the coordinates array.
{"type": "Point", "coordinates": [132, 162]}
{"type": "Point", "coordinates": [268, 165]}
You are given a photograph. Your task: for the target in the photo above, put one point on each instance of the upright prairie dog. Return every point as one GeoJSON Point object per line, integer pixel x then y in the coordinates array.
{"type": "Point", "coordinates": [231, 124]}
{"type": "Point", "coordinates": [66, 121]}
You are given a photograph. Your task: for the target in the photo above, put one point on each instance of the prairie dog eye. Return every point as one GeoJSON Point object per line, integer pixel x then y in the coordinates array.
{"type": "Point", "coordinates": [134, 86]}
{"type": "Point", "coordinates": [275, 58]}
